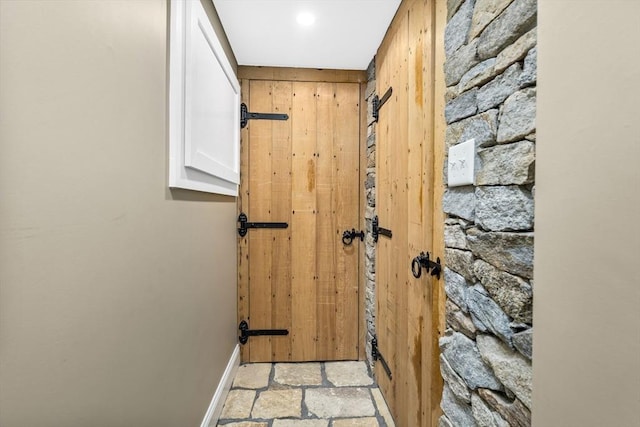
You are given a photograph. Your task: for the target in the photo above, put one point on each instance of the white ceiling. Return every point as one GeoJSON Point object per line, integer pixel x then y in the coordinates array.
{"type": "Point", "coordinates": [346, 33]}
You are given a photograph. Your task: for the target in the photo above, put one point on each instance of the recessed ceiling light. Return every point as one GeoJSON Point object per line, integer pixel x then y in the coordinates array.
{"type": "Point", "coordinates": [305, 19]}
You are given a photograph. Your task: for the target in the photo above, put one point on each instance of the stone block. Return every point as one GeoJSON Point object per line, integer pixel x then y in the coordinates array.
{"type": "Point", "coordinates": [454, 237]}
{"type": "Point", "coordinates": [454, 381]}
{"type": "Point", "coordinates": [460, 201]}
{"type": "Point", "coordinates": [342, 374]}
{"type": "Point", "coordinates": [443, 421]}
{"type": "Point", "coordinates": [523, 342]}
{"type": "Point", "coordinates": [370, 252]}
{"type": "Point", "coordinates": [238, 405]}
{"type": "Point", "coordinates": [451, 93]}
{"type": "Point", "coordinates": [513, 411]}
{"type": "Point", "coordinates": [371, 160]}
{"type": "Point", "coordinates": [339, 402]}
{"type": "Point", "coordinates": [370, 90]}
{"type": "Point", "coordinates": [455, 33]}
{"type": "Point", "coordinates": [459, 413]}
{"type": "Point", "coordinates": [452, 7]}
{"type": "Point", "coordinates": [300, 423]}
{"type": "Point", "coordinates": [487, 315]}
{"type": "Point", "coordinates": [508, 208]}
{"type": "Point", "coordinates": [459, 321]}
{"type": "Point", "coordinates": [530, 70]}
{"type": "Point", "coordinates": [461, 107]}
{"type": "Point", "coordinates": [518, 18]}
{"type": "Point", "coordinates": [517, 51]}
{"type": "Point", "coordinates": [297, 374]}
{"type": "Point", "coordinates": [482, 127]}
{"type": "Point", "coordinates": [278, 404]}
{"type": "Point", "coordinates": [370, 182]}
{"type": "Point", "coordinates": [369, 212]}
{"type": "Point", "coordinates": [370, 119]}
{"type": "Point", "coordinates": [484, 12]}
{"type": "Point", "coordinates": [464, 358]}
{"type": "Point", "coordinates": [371, 197]}
{"type": "Point", "coordinates": [371, 70]}
{"type": "Point", "coordinates": [510, 292]}
{"type": "Point", "coordinates": [245, 424]}
{"type": "Point", "coordinates": [356, 422]}
{"type": "Point", "coordinates": [510, 252]}
{"type": "Point", "coordinates": [483, 415]}
{"type": "Point", "coordinates": [479, 74]}
{"type": "Point", "coordinates": [511, 164]}
{"type": "Point", "coordinates": [511, 368]}
{"type": "Point", "coordinates": [458, 63]}
{"type": "Point", "coordinates": [495, 92]}
{"type": "Point", "coordinates": [518, 116]}
{"type": "Point", "coordinates": [461, 262]}
{"type": "Point", "coordinates": [371, 139]}
{"type": "Point", "coordinates": [252, 375]}
{"type": "Point", "coordinates": [455, 286]}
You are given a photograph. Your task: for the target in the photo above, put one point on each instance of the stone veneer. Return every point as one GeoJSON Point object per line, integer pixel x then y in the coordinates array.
{"type": "Point", "coordinates": [370, 197]}
{"type": "Point", "coordinates": [490, 72]}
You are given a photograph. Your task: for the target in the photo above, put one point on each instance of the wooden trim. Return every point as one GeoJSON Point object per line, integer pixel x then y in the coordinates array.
{"type": "Point", "coordinates": [362, 273]}
{"type": "Point", "coordinates": [438, 301]}
{"type": "Point", "coordinates": [222, 391]}
{"type": "Point", "coordinates": [302, 74]}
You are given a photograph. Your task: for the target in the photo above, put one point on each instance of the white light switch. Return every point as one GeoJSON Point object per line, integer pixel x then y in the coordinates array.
{"type": "Point", "coordinates": [461, 162]}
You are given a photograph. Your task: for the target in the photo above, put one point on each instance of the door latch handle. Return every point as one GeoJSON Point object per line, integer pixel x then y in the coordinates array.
{"type": "Point", "coordinates": [379, 231]}
{"type": "Point", "coordinates": [423, 261]}
{"type": "Point", "coordinates": [348, 236]}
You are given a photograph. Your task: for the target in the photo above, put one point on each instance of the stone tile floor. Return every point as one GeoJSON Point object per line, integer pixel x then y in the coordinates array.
{"type": "Point", "coordinates": [328, 394]}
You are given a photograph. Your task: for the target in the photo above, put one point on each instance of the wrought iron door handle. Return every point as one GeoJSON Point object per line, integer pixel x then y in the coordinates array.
{"type": "Point", "coordinates": [348, 236]}
{"type": "Point", "coordinates": [423, 261]}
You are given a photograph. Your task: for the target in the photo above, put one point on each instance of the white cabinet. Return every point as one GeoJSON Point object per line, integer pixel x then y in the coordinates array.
{"type": "Point", "coordinates": [204, 105]}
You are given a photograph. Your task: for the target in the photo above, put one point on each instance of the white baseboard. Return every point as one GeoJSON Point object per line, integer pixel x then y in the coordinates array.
{"type": "Point", "coordinates": [215, 407]}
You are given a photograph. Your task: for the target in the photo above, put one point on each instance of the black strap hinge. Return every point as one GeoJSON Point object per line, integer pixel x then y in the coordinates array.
{"type": "Point", "coordinates": [245, 332]}
{"type": "Point", "coordinates": [377, 356]}
{"type": "Point", "coordinates": [245, 116]}
{"type": "Point", "coordinates": [376, 230]}
{"type": "Point", "coordinates": [245, 225]}
{"type": "Point", "coordinates": [379, 102]}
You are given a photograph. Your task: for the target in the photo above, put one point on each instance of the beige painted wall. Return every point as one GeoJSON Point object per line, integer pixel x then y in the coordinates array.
{"type": "Point", "coordinates": [587, 298]}
{"type": "Point", "coordinates": [117, 296]}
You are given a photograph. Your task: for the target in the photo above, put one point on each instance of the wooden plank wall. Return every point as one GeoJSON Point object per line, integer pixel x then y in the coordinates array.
{"type": "Point", "coordinates": [410, 141]}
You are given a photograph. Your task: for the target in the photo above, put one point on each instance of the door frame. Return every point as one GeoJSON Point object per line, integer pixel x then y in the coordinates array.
{"type": "Point", "coordinates": [245, 75]}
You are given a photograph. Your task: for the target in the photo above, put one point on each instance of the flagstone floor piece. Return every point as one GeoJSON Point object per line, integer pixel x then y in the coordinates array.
{"type": "Point", "coordinates": [315, 394]}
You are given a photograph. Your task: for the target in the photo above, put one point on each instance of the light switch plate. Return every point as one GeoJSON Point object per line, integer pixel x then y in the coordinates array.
{"type": "Point", "coordinates": [461, 164]}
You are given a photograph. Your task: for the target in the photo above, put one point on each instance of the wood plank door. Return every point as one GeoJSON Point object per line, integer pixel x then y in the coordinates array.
{"type": "Point", "coordinates": [304, 171]}
{"type": "Point", "coordinates": [408, 318]}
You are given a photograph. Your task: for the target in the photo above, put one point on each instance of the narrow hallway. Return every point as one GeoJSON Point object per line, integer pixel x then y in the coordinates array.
{"type": "Point", "coordinates": [329, 394]}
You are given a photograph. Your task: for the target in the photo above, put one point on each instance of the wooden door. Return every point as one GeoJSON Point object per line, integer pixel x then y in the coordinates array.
{"type": "Point", "coordinates": [304, 171]}
{"type": "Point", "coordinates": [409, 162]}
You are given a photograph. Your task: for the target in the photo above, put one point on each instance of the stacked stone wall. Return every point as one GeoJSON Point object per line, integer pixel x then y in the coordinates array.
{"type": "Point", "coordinates": [486, 353]}
{"type": "Point", "coordinates": [370, 197]}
